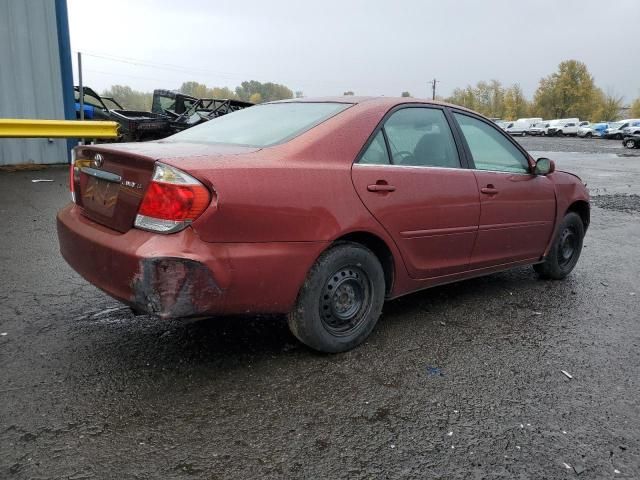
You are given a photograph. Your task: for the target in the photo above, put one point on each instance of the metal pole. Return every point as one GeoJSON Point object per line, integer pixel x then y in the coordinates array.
{"type": "Point", "coordinates": [81, 93]}
{"type": "Point", "coordinates": [433, 90]}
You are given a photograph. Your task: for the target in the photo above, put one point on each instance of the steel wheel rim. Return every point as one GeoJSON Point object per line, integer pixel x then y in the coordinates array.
{"type": "Point", "coordinates": [345, 300]}
{"type": "Point", "coordinates": [567, 246]}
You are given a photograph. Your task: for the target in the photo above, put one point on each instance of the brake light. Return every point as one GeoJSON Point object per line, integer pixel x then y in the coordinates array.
{"type": "Point", "coordinates": [172, 201]}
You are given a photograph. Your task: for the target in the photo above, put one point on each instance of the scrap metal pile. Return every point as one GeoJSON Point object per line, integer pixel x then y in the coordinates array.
{"type": "Point", "coordinates": [171, 112]}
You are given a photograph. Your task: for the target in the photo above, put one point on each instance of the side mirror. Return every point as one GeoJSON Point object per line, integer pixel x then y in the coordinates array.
{"type": "Point", "coordinates": [544, 166]}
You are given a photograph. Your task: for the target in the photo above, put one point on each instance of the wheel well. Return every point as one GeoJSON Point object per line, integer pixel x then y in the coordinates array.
{"type": "Point", "coordinates": [379, 249]}
{"type": "Point", "coordinates": [581, 208]}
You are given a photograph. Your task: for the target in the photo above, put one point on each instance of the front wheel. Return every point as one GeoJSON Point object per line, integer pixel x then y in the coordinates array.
{"type": "Point", "coordinates": [565, 251]}
{"type": "Point", "coordinates": [524, 134]}
{"type": "Point", "coordinates": [559, 134]}
{"type": "Point", "coordinates": [341, 299]}
{"type": "Point", "coordinates": [631, 143]}
{"type": "Point", "coordinates": [618, 136]}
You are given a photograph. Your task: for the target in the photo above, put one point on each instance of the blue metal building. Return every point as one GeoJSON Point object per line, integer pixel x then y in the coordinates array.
{"type": "Point", "coordinates": [36, 80]}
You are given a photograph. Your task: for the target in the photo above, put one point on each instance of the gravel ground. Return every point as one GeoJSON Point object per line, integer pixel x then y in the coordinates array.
{"type": "Point", "coordinates": [462, 381]}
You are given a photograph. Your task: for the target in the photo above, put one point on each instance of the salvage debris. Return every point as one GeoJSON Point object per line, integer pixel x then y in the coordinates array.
{"type": "Point", "coordinates": [567, 374]}
{"type": "Point", "coordinates": [40, 180]}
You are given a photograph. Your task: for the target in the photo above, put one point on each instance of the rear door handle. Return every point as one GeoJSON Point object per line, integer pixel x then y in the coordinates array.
{"type": "Point", "coordinates": [381, 188]}
{"type": "Point", "coordinates": [489, 190]}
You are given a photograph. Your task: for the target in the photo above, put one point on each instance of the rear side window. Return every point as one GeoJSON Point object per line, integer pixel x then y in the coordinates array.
{"type": "Point", "coordinates": [261, 125]}
{"type": "Point", "coordinates": [489, 149]}
{"type": "Point", "coordinates": [421, 137]}
{"type": "Point", "coordinates": [376, 153]}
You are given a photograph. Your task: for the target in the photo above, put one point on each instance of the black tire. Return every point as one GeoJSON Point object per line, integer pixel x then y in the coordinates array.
{"type": "Point", "coordinates": [341, 299]}
{"type": "Point", "coordinates": [565, 251]}
{"type": "Point", "coordinates": [524, 134]}
{"type": "Point", "coordinates": [559, 133]}
{"type": "Point", "coordinates": [618, 136]}
{"type": "Point", "coordinates": [542, 134]}
{"type": "Point", "coordinates": [589, 135]}
{"type": "Point", "coordinates": [631, 143]}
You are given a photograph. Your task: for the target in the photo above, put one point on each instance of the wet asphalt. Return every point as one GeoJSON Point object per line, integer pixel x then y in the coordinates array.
{"type": "Point", "coordinates": [462, 381]}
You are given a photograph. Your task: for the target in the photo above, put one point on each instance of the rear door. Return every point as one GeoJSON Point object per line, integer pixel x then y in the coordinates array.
{"type": "Point", "coordinates": [517, 207]}
{"type": "Point", "coordinates": [411, 179]}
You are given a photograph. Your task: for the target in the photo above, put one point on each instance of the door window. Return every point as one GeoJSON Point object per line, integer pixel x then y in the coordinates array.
{"type": "Point", "coordinates": [489, 148]}
{"type": "Point", "coordinates": [421, 137]}
{"type": "Point", "coordinates": [376, 153]}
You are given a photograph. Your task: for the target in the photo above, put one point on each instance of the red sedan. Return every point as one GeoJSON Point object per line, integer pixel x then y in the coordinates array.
{"type": "Point", "coordinates": [318, 209]}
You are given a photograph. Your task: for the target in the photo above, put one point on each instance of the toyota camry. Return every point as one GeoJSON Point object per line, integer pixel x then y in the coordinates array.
{"type": "Point", "coordinates": [320, 209]}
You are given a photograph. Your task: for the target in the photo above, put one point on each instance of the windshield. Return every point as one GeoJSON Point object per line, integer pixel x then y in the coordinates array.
{"type": "Point", "coordinates": [261, 125]}
{"type": "Point", "coordinates": [615, 125]}
{"type": "Point", "coordinates": [110, 104]}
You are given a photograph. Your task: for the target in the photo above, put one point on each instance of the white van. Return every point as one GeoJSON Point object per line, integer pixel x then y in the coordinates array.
{"type": "Point", "coordinates": [519, 127]}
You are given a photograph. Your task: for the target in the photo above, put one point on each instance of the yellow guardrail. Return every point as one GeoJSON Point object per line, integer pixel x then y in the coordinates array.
{"type": "Point", "coordinates": [23, 128]}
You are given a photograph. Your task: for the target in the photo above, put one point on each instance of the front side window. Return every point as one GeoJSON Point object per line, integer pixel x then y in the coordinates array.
{"type": "Point", "coordinates": [489, 149]}
{"type": "Point", "coordinates": [421, 137]}
{"type": "Point", "coordinates": [376, 153]}
{"type": "Point", "coordinates": [261, 125]}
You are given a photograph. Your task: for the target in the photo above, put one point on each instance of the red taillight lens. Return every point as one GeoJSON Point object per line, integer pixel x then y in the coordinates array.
{"type": "Point", "coordinates": [172, 201]}
{"type": "Point", "coordinates": [72, 179]}
{"type": "Point", "coordinates": [168, 201]}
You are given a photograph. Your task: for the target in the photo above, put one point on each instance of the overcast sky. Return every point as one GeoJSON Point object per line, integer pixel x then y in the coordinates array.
{"type": "Point", "coordinates": [372, 47]}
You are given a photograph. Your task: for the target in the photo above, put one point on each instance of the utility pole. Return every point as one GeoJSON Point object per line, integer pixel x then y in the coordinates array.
{"type": "Point", "coordinates": [81, 92]}
{"type": "Point", "coordinates": [433, 88]}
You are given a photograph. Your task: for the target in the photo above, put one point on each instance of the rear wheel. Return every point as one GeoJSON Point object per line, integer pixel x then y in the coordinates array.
{"type": "Point", "coordinates": [524, 134]}
{"type": "Point", "coordinates": [618, 136]}
{"type": "Point", "coordinates": [565, 251]}
{"type": "Point", "coordinates": [559, 133]}
{"type": "Point", "coordinates": [630, 143]}
{"type": "Point", "coordinates": [341, 299]}
{"type": "Point", "coordinates": [589, 135]}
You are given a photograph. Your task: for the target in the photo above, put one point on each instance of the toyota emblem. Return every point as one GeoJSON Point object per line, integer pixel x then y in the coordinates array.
{"type": "Point", "coordinates": [98, 160]}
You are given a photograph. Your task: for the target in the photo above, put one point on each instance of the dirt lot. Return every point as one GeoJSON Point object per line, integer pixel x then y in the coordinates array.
{"type": "Point", "coordinates": [463, 381]}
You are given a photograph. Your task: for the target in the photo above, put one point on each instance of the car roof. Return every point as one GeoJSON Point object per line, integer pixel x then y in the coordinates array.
{"type": "Point", "coordinates": [371, 101]}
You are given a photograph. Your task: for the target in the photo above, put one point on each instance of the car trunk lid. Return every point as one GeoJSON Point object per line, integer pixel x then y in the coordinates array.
{"type": "Point", "coordinates": [109, 182]}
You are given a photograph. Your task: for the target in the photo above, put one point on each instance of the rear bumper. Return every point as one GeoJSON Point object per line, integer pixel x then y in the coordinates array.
{"type": "Point", "coordinates": [179, 275]}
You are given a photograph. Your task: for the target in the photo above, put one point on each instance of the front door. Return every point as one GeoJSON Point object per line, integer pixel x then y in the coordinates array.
{"type": "Point", "coordinates": [411, 179]}
{"type": "Point", "coordinates": [517, 208]}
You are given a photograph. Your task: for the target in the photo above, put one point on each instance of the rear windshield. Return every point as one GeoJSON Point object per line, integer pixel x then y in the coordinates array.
{"type": "Point", "coordinates": [261, 125]}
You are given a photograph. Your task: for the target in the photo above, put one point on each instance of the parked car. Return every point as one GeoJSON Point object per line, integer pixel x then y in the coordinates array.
{"type": "Point", "coordinates": [632, 129]}
{"type": "Point", "coordinates": [320, 209]}
{"type": "Point", "coordinates": [562, 127]}
{"type": "Point", "coordinates": [616, 130]}
{"type": "Point", "coordinates": [632, 141]}
{"type": "Point", "coordinates": [133, 125]}
{"type": "Point", "coordinates": [593, 130]}
{"type": "Point", "coordinates": [539, 129]}
{"type": "Point", "coordinates": [519, 127]}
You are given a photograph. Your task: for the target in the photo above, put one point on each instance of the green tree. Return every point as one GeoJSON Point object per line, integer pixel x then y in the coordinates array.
{"type": "Point", "coordinates": [130, 99]}
{"type": "Point", "coordinates": [569, 92]}
{"type": "Point", "coordinates": [268, 91]}
{"type": "Point", "coordinates": [607, 107]}
{"type": "Point", "coordinates": [635, 108]}
{"type": "Point", "coordinates": [486, 98]}
{"type": "Point", "coordinates": [515, 103]}
{"type": "Point", "coordinates": [255, 98]}
{"type": "Point", "coordinates": [195, 89]}
{"type": "Point", "coordinates": [405, 94]}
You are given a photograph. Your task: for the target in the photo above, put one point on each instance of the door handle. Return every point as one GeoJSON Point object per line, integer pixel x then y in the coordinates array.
{"type": "Point", "coordinates": [378, 187]}
{"type": "Point", "coordinates": [489, 190]}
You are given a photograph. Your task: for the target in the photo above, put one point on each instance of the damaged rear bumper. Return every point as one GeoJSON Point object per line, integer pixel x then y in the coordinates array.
{"type": "Point", "coordinates": [178, 275]}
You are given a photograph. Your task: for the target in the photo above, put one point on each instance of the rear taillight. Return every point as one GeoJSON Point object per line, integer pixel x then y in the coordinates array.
{"type": "Point", "coordinates": [172, 201]}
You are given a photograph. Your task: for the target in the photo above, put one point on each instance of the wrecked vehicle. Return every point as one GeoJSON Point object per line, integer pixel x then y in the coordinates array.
{"type": "Point", "coordinates": [318, 209]}
{"type": "Point", "coordinates": [186, 111]}
{"type": "Point", "coordinates": [134, 126]}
